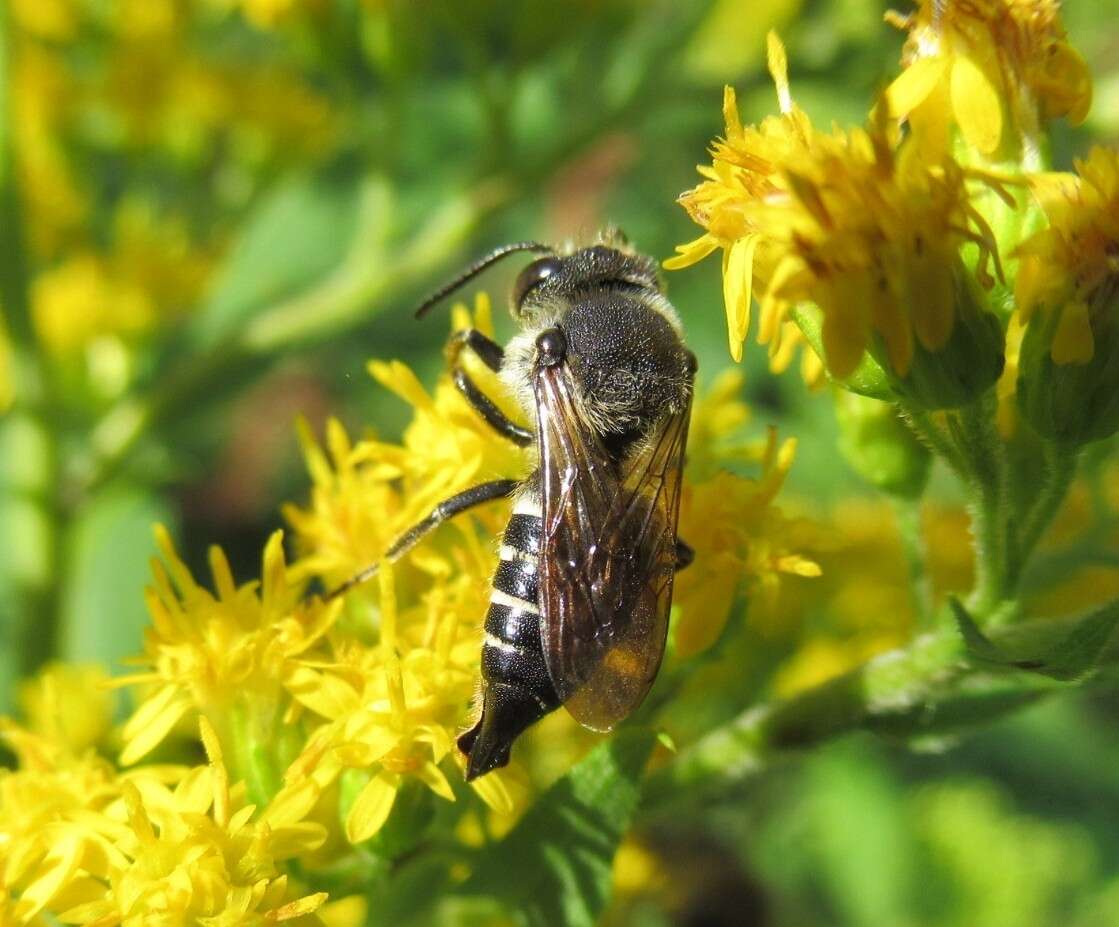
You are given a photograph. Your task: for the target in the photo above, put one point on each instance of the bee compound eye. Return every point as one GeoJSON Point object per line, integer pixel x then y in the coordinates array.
{"type": "Point", "coordinates": [551, 346]}
{"type": "Point", "coordinates": [532, 276]}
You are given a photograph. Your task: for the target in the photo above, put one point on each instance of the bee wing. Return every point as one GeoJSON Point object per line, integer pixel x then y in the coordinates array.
{"type": "Point", "coordinates": [608, 555]}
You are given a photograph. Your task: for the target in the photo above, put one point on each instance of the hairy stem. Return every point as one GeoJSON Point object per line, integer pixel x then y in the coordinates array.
{"type": "Point", "coordinates": [1060, 468]}
{"type": "Point", "coordinates": [978, 442]}
{"type": "Point", "coordinates": [913, 543]}
{"type": "Point", "coordinates": [929, 689]}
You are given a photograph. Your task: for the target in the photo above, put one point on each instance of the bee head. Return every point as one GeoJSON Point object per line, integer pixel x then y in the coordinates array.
{"type": "Point", "coordinates": [551, 284]}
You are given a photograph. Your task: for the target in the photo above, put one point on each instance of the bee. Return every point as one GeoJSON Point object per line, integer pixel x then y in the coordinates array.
{"type": "Point", "coordinates": [579, 607]}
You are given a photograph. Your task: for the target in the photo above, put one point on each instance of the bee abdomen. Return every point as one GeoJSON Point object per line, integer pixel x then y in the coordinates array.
{"type": "Point", "coordinates": [512, 652]}
{"type": "Point", "coordinates": [516, 688]}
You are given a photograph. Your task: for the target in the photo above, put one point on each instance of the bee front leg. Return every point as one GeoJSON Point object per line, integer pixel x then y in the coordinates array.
{"type": "Point", "coordinates": [685, 554]}
{"type": "Point", "coordinates": [491, 354]}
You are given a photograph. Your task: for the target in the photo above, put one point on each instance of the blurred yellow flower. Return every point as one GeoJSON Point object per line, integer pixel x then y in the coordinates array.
{"type": "Point", "coordinates": [81, 299]}
{"type": "Point", "coordinates": [865, 227]}
{"type": "Point", "coordinates": [984, 63]}
{"type": "Point", "coordinates": [1071, 268]}
{"type": "Point", "coordinates": [69, 704]}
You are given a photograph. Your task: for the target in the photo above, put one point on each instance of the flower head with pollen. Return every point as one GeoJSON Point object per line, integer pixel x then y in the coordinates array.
{"type": "Point", "coordinates": [1071, 268]}
{"type": "Point", "coordinates": [860, 224]}
{"type": "Point", "coordinates": [1067, 294]}
{"type": "Point", "coordinates": [229, 654]}
{"type": "Point", "coordinates": [365, 495]}
{"type": "Point", "coordinates": [984, 65]}
{"type": "Point", "coordinates": [196, 852]}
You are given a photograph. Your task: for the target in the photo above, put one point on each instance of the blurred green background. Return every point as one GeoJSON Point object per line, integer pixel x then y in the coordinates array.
{"type": "Point", "coordinates": [215, 212]}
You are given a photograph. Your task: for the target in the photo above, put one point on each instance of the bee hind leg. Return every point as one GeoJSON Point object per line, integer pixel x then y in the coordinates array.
{"type": "Point", "coordinates": [448, 508]}
{"type": "Point", "coordinates": [685, 554]}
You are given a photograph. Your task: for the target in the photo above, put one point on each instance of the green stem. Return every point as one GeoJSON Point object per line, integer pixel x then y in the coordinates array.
{"type": "Point", "coordinates": [933, 435]}
{"type": "Point", "coordinates": [929, 689]}
{"type": "Point", "coordinates": [978, 442]}
{"type": "Point", "coordinates": [913, 544]}
{"type": "Point", "coordinates": [1060, 468]}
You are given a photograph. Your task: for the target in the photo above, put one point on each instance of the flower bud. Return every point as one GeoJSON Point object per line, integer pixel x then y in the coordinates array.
{"type": "Point", "coordinates": [879, 446]}
{"type": "Point", "coordinates": [1068, 369]}
{"type": "Point", "coordinates": [966, 366]}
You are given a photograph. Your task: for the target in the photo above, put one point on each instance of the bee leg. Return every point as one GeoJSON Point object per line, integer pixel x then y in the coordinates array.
{"type": "Point", "coordinates": [491, 354]}
{"type": "Point", "coordinates": [448, 508]}
{"type": "Point", "coordinates": [488, 351]}
{"type": "Point", "coordinates": [684, 555]}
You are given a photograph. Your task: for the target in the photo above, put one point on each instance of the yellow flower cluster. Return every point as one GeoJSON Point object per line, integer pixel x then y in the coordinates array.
{"type": "Point", "coordinates": [162, 844]}
{"type": "Point", "coordinates": [857, 222]}
{"type": "Point", "coordinates": [1071, 268]}
{"type": "Point", "coordinates": [984, 65]}
{"type": "Point", "coordinates": [145, 90]}
{"type": "Point", "coordinates": [317, 714]}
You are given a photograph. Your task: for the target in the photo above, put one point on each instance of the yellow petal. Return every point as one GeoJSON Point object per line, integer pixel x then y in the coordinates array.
{"type": "Point", "coordinates": [691, 253]}
{"type": "Point", "coordinates": [738, 269]}
{"type": "Point", "coordinates": [931, 296]}
{"type": "Point", "coordinates": [913, 85]}
{"type": "Point", "coordinates": [152, 722]}
{"type": "Point", "coordinates": [491, 789]}
{"type": "Point", "coordinates": [844, 333]}
{"type": "Point", "coordinates": [1072, 341]}
{"type": "Point", "coordinates": [432, 776]}
{"type": "Point", "coordinates": [730, 112]}
{"type": "Point", "coordinates": [60, 865]}
{"type": "Point", "coordinates": [778, 64]}
{"type": "Point", "coordinates": [371, 808]}
{"type": "Point", "coordinates": [294, 909]}
{"type": "Point", "coordinates": [975, 103]}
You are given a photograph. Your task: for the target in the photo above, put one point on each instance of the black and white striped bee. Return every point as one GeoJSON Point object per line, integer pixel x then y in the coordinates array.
{"type": "Point", "coordinates": [579, 610]}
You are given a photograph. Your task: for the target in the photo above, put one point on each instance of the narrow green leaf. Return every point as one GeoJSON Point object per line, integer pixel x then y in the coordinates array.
{"type": "Point", "coordinates": [106, 568]}
{"type": "Point", "coordinates": [978, 644]}
{"type": "Point", "coordinates": [296, 235]}
{"type": "Point", "coordinates": [554, 866]}
{"type": "Point", "coordinates": [1069, 659]}
{"type": "Point", "coordinates": [1079, 653]}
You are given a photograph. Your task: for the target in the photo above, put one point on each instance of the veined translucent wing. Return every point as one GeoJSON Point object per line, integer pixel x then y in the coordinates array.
{"type": "Point", "coordinates": [608, 555]}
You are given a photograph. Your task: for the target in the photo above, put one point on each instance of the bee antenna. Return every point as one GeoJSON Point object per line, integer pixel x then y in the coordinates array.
{"type": "Point", "coordinates": [476, 268]}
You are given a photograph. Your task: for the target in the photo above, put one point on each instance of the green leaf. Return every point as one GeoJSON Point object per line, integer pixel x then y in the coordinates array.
{"type": "Point", "coordinates": [296, 235]}
{"type": "Point", "coordinates": [978, 644]}
{"type": "Point", "coordinates": [107, 556]}
{"type": "Point", "coordinates": [554, 866]}
{"type": "Point", "coordinates": [1079, 653]}
{"type": "Point", "coordinates": [1070, 658]}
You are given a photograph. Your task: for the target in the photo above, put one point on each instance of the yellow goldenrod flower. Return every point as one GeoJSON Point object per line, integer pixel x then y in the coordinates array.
{"type": "Point", "coordinates": [1071, 268]}
{"type": "Point", "coordinates": [50, 822]}
{"type": "Point", "coordinates": [1067, 294]}
{"type": "Point", "coordinates": [366, 495]}
{"type": "Point", "coordinates": [394, 709]}
{"type": "Point", "coordinates": [69, 704]}
{"type": "Point", "coordinates": [81, 299]}
{"type": "Point", "coordinates": [746, 169]}
{"type": "Point", "coordinates": [986, 63]}
{"type": "Point", "coordinates": [739, 536]}
{"type": "Point", "coordinates": [864, 227]}
{"type": "Point", "coordinates": [198, 853]}
{"type": "Point", "coordinates": [232, 655]}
